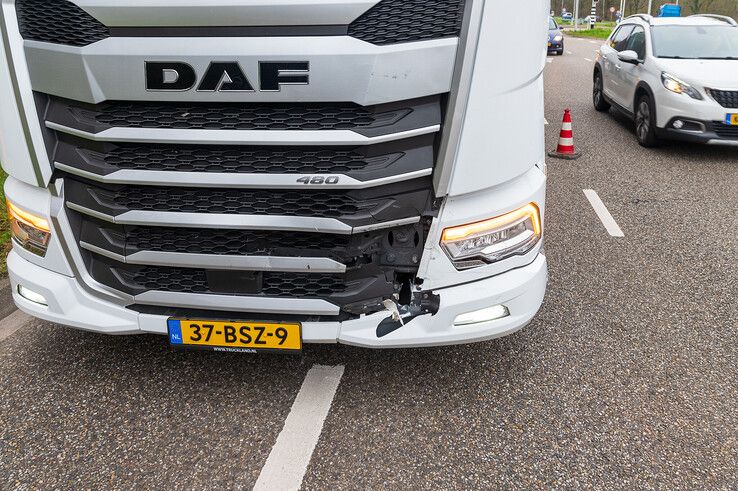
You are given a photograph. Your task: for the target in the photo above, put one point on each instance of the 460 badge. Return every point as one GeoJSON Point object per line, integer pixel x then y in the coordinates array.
{"type": "Point", "coordinates": [319, 180]}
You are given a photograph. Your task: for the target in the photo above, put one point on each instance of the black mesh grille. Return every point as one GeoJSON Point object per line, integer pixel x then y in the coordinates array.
{"type": "Point", "coordinates": [58, 21]}
{"type": "Point", "coordinates": [235, 116]}
{"type": "Point", "coordinates": [284, 203]}
{"type": "Point", "coordinates": [196, 281]}
{"type": "Point", "coordinates": [725, 131]}
{"type": "Point", "coordinates": [230, 242]}
{"type": "Point", "coordinates": [398, 21]}
{"type": "Point", "coordinates": [252, 160]}
{"type": "Point", "coordinates": [726, 98]}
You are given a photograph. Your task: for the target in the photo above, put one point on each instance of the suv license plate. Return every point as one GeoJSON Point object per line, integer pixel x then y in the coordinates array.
{"type": "Point", "coordinates": [235, 336]}
{"type": "Point", "coordinates": [731, 119]}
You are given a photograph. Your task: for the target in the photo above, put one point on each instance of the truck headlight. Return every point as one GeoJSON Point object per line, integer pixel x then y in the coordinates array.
{"type": "Point", "coordinates": [488, 241]}
{"type": "Point", "coordinates": [675, 85]}
{"type": "Point", "coordinates": [30, 231]}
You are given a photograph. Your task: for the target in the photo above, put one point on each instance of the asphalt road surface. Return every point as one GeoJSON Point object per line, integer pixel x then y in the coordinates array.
{"type": "Point", "coordinates": [627, 378]}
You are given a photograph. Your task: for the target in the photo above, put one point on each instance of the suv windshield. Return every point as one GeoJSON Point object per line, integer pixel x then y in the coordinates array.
{"type": "Point", "coordinates": [551, 24]}
{"type": "Point", "coordinates": [696, 42]}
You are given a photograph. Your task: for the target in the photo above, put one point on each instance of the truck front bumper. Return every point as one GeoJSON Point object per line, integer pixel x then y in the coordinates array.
{"type": "Point", "coordinates": [521, 290]}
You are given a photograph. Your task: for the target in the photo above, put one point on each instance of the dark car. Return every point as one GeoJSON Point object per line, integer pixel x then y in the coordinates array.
{"type": "Point", "coordinates": [555, 38]}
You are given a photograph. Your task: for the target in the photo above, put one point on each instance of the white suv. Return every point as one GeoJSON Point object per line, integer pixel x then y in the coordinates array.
{"type": "Point", "coordinates": [677, 77]}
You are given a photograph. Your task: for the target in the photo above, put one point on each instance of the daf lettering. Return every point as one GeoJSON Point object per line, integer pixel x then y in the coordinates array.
{"type": "Point", "coordinates": [224, 76]}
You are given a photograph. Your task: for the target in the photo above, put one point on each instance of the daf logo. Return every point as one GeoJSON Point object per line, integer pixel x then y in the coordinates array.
{"type": "Point", "coordinates": [224, 76]}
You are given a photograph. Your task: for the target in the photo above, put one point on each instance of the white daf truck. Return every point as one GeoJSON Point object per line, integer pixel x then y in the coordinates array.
{"type": "Point", "coordinates": [252, 175]}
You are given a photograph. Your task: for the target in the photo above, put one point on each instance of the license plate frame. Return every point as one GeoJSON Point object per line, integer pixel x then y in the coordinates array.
{"type": "Point", "coordinates": [731, 119]}
{"type": "Point", "coordinates": [252, 337]}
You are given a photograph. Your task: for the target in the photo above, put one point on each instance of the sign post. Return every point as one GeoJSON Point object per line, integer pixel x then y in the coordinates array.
{"type": "Point", "coordinates": [593, 15]}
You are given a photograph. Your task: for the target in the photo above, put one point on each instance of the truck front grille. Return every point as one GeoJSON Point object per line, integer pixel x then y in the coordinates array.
{"type": "Point", "coordinates": [726, 98]}
{"type": "Point", "coordinates": [388, 22]}
{"type": "Point", "coordinates": [358, 207]}
{"type": "Point", "coordinates": [135, 280]}
{"type": "Point", "coordinates": [196, 203]}
{"type": "Point", "coordinates": [58, 21]}
{"type": "Point", "coordinates": [399, 21]}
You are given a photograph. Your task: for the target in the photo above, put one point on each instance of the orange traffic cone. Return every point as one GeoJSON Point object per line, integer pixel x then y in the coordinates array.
{"type": "Point", "coordinates": [565, 148]}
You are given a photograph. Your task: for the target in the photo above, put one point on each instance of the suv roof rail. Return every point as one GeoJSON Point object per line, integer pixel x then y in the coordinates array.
{"type": "Point", "coordinates": [644, 17]}
{"type": "Point", "coordinates": [723, 18]}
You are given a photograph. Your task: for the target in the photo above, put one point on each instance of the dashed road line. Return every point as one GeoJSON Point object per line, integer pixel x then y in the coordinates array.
{"type": "Point", "coordinates": [589, 59]}
{"type": "Point", "coordinates": [12, 323]}
{"type": "Point", "coordinates": [288, 461]}
{"type": "Point", "coordinates": [569, 53]}
{"type": "Point", "coordinates": [594, 42]}
{"type": "Point", "coordinates": [545, 121]}
{"type": "Point", "coordinates": [605, 217]}
{"type": "Point", "coordinates": [549, 60]}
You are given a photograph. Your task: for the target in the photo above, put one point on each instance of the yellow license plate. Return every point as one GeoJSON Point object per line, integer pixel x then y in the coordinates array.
{"type": "Point", "coordinates": [731, 119]}
{"type": "Point", "coordinates": [235, 336]}
{"type": "Point", "coordinates": [549, 45]}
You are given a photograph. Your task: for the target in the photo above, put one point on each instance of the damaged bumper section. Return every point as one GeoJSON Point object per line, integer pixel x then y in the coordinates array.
{"type": "Point", "coordinates": [521, 291]}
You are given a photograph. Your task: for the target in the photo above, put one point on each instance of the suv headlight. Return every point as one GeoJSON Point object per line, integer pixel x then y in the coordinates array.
{"type": "Point", "coordinates": [476, 244]}
{"type": "Point", "coordinates": [30, 231]}
{"type": "Point", "coordinates": [678, 86]}
{"type": "Point", "coordinates": [558, 38]}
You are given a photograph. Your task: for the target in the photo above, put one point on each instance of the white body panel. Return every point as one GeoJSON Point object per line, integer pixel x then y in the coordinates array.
{"type": "Point", "coordinates": [501, 134]}
{"type": "Point", "coordinates": [493, 166]}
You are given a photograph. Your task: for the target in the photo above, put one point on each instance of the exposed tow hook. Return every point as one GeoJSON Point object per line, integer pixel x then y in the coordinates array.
{"type": "Point", "coordinates": [403, 314]}
{"type": "Point", "coordinates": [391, 306]}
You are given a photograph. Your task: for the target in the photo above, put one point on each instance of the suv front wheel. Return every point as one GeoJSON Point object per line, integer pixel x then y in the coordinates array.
{"type": "Point", "coordinates": [598, 96]}
{"type": "Point", "coordinates": [645, 122]}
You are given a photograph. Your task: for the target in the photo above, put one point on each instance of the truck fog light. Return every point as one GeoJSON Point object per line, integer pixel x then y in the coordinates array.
{"type": "Point", "coordinates": [30, 231]}
{"type": "Point", "coordinates": [476, 244]}
{"type": "Point", "coordinates": [32, 296]}
{"type": "Point", "coordinates": [679, 124]}
{"type": "Point", "coordinates": [484, 315]}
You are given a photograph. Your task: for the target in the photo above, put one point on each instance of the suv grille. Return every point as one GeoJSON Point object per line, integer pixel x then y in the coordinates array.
{"type": "Point", "coordinates": [726, 98]}
{"type": "Point", "coordinates": [58, 21]}
{"type": "Point", "coordinates": [725, 131]}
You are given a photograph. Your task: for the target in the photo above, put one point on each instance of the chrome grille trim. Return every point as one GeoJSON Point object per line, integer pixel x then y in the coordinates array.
{"type": "Point", "coordinates": [214, 261]}
{"type": "Point", "coordinates": [232, 303]}
{"type": "Point", "coordinates": [214, 220]}
{"type": "Point", "coordinates": [238, 181]}
{"type": "Point", "coordinates": [239, 137]}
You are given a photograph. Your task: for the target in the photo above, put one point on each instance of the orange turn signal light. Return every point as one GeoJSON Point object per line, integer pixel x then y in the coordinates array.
{"type": "Point", "coordinates": [461, 232]}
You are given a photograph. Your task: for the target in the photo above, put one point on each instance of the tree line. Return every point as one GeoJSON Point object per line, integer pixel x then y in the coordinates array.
{"type": "Point", "coordinates": [722, 7]}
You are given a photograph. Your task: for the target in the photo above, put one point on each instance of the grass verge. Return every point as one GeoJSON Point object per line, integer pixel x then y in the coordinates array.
{"type": "Point", "coordinates": [4, 228]}
{"type": "Point", "coordinates": [597, 33]}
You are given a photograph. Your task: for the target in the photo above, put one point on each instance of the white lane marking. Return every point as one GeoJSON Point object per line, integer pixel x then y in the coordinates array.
{"type": "Point", "coordinates": [588, 59]}
{"type": "Point", "coordinates": [549, 60]}
{"type": "Point", "coordinates": [288, 461]}
{"type": "Point", "coordinates": [12, 323]}
{"type": "Point", "coordinates": [594, 42]}
{"type": "Point", "coordinates": [605, 217]}
{"type": "Point", "coordinates": [545, 121]}
{"type": "Point", "coordinates": [569, 53]}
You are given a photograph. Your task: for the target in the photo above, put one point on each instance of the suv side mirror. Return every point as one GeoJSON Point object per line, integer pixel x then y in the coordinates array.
{"type": "Point", "coordinates": [629, 56]}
